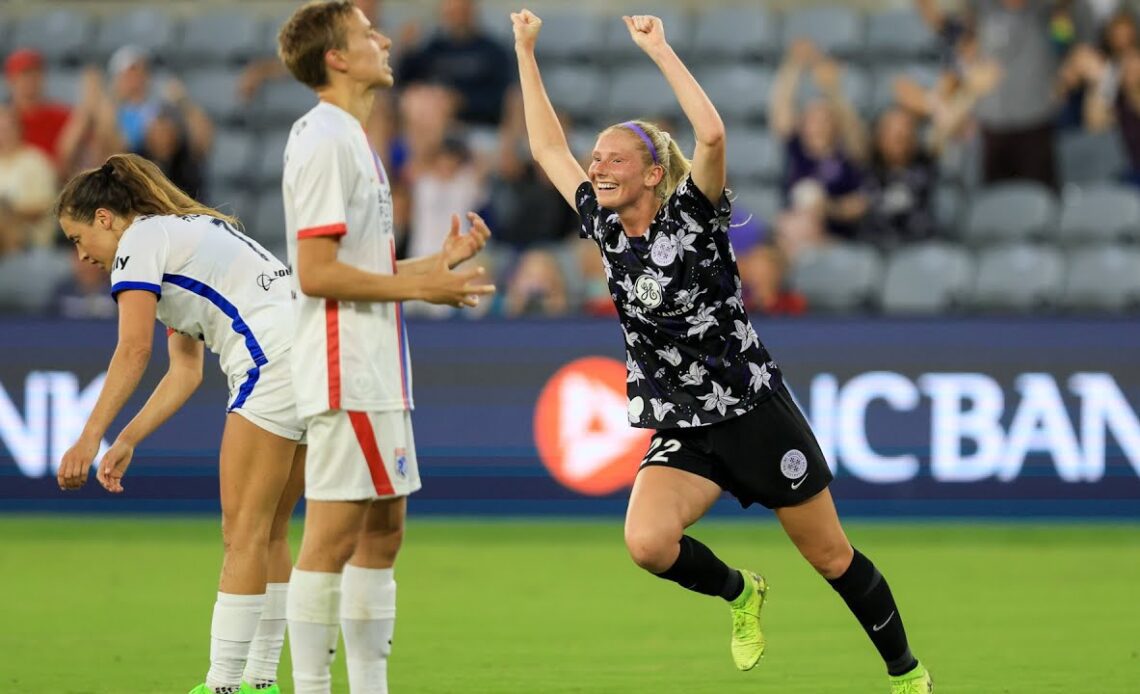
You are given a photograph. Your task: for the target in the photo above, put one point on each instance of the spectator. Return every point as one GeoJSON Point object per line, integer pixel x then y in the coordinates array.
{"type": "Point", "coordinates": [821, 149]}
{"type": "Point", "coordinates": [27, 189]}
{"type": "Point", "coordinates": [900, 183]}
{"type": "Point", "coordinates": [459, 55]}
{"type": "Point", "coordinates": [451, 182]}
{"type": "Point", "coordinates": [1109, 102]}
{"type": "Point", "coordinates": [84, 295]}
{"type": "Point", "coordinates": [167, 145]}
{"type": "Point", "coordinates": [1017, 118]}
{"type": "Point", "coordinates": [527, 209]}
{"type": "Point", "coordinates": [43, 123]}
{"type": "Point", "coordinates": [129, 70]}
{"type": "Point", "coordinates": [537, 286]}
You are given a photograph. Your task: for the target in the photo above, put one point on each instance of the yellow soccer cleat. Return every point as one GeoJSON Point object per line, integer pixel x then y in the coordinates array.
{"type": "Point", "coordinates": [917, 681]}
{"type": "Point", "coordinates": [747, 639]}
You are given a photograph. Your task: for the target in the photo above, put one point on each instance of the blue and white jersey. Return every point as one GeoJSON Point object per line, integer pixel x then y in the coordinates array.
{"type": "Point", "coordinates": [215, 284]}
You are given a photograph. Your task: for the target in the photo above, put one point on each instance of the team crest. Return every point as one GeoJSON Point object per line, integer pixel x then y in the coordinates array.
{"type": "Point", "coordinates": [401, 462]}
{"type": "Point", "coordinates": [793, 465]}
{"type": "Point", "coordinates": [664, 250]}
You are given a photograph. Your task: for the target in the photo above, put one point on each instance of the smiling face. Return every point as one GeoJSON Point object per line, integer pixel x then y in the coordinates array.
{"type": "Point", "coordinates": [96, 241]}
{"type": "Point", "coordinates": [366, 52]}
{"type": "Point", "coordinates": [620, 170]}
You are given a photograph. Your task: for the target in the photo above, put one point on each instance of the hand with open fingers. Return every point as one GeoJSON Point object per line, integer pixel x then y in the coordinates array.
{"type": "Point", "coordinates": [460, 289]}
{"type": "Point", "coordinates": [114, 465]}
{"type": "Point", "coordinates": [459, 247]}
{"type": "Point", "coordinates": [76, 463]}
{"type": "Point", "coordinates": [646, 31]}
{"type": "Point", "coordinates": [526, 25]}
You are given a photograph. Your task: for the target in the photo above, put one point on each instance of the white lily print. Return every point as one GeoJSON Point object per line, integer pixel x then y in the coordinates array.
{"type": "Point", "coordinates": [695, 423]}
{"type": "Point", "coordinates": [692, 225]}
{"type": "Point", "coordinates": [658, 275]}
{"type": "Point", "coordinates": [634, 374]}
{"type": "Point", "coordinates": [735, 302]}
{"type": "Point", "coordinates": [607, 268]}
{"type": "Point", "coordinates": [701, 322]}
{"type": "Point", "coordinates": [660, 408]}
{"type": "Point", "coordinates": [761, 377]}
{"type": "Point", "coordinates": [620, 245]}
{"type": "Point", "coordinates": [719, 399]}
{"type": "Point", "coordinates": [685, 240]}
{"type": "Point", "coordinates": [695, 375]}
{"type": "Point", "coordinates": [715, 251]}
{"type": "Point", "coordinates": [631, 338]}
{"type": "Point", "coordinates": [671, 355]}
{"type": "Point", "coordinates": [627, 284]}
{"type": "Point", "coordinates": [746, 334]}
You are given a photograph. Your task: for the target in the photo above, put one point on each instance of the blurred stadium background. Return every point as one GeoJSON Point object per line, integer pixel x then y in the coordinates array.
{"type": "Point", "coordinates": [938, 219]}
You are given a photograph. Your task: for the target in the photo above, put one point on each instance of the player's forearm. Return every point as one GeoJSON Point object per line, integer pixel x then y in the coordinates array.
{"type": "Point", "coordinates": [708, 128]}
{"type": "Point", "coordinates": [544, 132]}
{"type": "Point", "coordinates": [345, 282]}
{"type": "Point", "coordinates": [418, 266]}
{"type": "Point", "coordinates": [123, 375]}
{"type": "Point", "coordinates": [168, 397]}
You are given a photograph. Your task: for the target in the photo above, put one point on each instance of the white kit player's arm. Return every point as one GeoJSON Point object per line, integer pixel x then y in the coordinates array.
{"type": "Point", "coordinates": [182, 378]}
{"type": "Point", "coordinates": [319, 201]}
{"type": "Point", "coordinates": [457, 247]}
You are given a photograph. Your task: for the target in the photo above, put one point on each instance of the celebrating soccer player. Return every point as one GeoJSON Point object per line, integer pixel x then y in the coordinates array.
{"type": "Point", "coordinates": [697, 372]}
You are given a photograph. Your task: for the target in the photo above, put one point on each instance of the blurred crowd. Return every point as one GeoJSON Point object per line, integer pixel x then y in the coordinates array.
{"type": "Point", "coordinates": [1008, 78]}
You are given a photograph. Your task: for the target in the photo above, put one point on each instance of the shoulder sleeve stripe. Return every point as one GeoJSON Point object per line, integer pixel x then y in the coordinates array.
{"type": "Point", "coordinates": [145, 286]}
{"type": "Point", "coordinates": [326, 230]}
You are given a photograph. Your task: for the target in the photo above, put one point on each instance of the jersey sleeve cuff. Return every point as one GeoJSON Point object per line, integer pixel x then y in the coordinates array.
{"type": "Point", "coordinates": [327, 230]}
{"type": "Point", "coordinates": [125, 286]}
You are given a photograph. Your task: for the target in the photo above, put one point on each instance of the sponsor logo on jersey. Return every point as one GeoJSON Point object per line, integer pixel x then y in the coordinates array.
{"type": "Point", "coordinates": [581, 428]}
{"type": "Point", "coordinates": [264, 280]}
{"type": "Point", "coordinates": [121, 262]}
{"type": "Point", "coordinates": [648, 291]}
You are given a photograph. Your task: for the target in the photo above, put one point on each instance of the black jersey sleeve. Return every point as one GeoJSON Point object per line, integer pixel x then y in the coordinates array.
{"type": "Point", "coordinates": [699, 213]}
{"type": "Point", "coordinates": [587, 203]}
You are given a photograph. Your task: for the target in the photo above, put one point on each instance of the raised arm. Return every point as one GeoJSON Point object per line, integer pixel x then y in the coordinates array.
{"type": "Point", "coordinates": [852, 131]}
{"type": "Point", "coordinates": [548, 143]}
{"type": "Point", "coordinates": [182, 378]}
{"type": "Point", "coordinates": [708, 170]}
{"type": "Point", "coordinates": [782, 100]}
{"type": "Point", "coordinates": [137, 309]}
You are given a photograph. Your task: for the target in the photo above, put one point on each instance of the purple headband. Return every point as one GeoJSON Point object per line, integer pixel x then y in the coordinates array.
{"type": "Point", "coordinates": [637, 129]}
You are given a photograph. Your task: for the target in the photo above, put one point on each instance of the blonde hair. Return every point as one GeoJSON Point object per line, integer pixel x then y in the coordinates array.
{"type": "Point", "coordinates": [669, 155]}
{"type": "Point", "coordinates": [313, 30]}
{"type": "Point", "coordinates": [127, 184]}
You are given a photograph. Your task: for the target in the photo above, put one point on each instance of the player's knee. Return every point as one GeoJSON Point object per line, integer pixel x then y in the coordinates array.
{"type": "Point", "coordinates": [652, 550]}
{"type": "Point", "coordinates": [243, 531]}
{"type": "Point", "coordinates": [831, 559]}
{"type": "Point", "coordinates": [381, 545]}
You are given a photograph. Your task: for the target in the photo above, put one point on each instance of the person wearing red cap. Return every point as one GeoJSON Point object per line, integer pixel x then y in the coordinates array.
{"type": "Point", "coordinates": [43, 122]}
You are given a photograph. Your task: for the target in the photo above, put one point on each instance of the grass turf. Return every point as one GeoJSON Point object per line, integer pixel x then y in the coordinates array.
{"type": "Point", "coordinates": [114, 605]}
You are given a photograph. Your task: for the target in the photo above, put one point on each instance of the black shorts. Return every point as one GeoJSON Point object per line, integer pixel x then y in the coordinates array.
{"type": "Point", "coordinates": [767, 455]}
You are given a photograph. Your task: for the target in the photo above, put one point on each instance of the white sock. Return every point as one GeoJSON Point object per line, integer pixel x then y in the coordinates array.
{"type": "Point", "coordinates": [312, 608]}
{"type": "Point", "coordinates": [235, 622]}
{"type": "Point", "coordinates": [265, 651]}
{"type": "Point", "coordinates": [367, 620]}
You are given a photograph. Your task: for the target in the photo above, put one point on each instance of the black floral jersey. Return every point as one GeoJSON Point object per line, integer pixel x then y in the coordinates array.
{"type": "Point", "coordinates": [692, 356]}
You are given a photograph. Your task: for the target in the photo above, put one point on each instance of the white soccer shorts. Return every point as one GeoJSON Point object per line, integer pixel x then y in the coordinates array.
{"type": "Point", "coordinates": [356, 456]}
{"type": "Point", "coordinates": [272, 403]}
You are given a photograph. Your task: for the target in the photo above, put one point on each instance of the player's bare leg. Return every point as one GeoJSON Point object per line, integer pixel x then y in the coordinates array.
{"type": "Point", "coordinates": [815, 529]}
{"type": "Point", "coordinates": [265, 651]}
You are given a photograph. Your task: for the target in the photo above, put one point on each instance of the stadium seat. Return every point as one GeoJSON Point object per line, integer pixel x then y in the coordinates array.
{"type": "Point", "coordinates": [147, 27]}
{"type": "Point", "coordinates": [836, 30]}
{"type": "Point", "coordinates": [736, 33]}
{"type": "Point", "coordinates": [754, 156]}
{"type": "Point", "coordinates": [1103, 277]}
{"type": "Point", "coordinates": [283, 101]}
{"type": "Point", "coordinates": [1099, 213]}
{"type": "Point", "coordinates": [219, 36]}
{"type": "Point", "coordinates": [948, 207]}
{"type": "Point", "coordinates": [569, 34]}
{"type": "Point", "coordinates": [838, 277]}
{"type": "Point", "coordinates": [269, 160]}
{"type": "Point", "coordinates": [883, 91]}
{"type": "Point", "coordinates": [29, 279]}
{"type": "Point", "coordinates": [60, 35]}
{"type": "Point", "coordinates": [578, 89]}
{"type": "Point", "coordinates": [899, 34]}
{"type": "Point", "coordinates": [739, 92]}
{"type": "Point", "coordinates": [228, 166]}
{"type": "Point", "coordinates": [619, 46]}
{"type": "Point", "coordinates": [640, 92]}
{"type": "Point", "coordinates": [1090, 157]}
{"type": "Point", "coordinates": [1010, 212]}
{"type": "Point", "coordinates": [1018, 277]}
{"type": "Point", "coordinates": [215, 90]}
{"type": "Point", "coordinates": [927, 278]}
{"type": "Point", "coordinates": [856, 87]}
{"type": "Point", "coordinates": [493, 19]}
{"type": "Point", "coordinates": [765, 202]}
{"type": "Point", "coordinates": [267, 226]}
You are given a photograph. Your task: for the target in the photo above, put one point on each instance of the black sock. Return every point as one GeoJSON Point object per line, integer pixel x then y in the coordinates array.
{"type": "Point", "coordinates": [869, 598]}
{"type": "Point", "coordinates": [699, 570]}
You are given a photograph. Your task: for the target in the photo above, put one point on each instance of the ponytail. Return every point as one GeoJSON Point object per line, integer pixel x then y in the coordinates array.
{"type": "Point", "coordinates": [665, 153]}
{"type": "Point", "coordinates": [128, 184]}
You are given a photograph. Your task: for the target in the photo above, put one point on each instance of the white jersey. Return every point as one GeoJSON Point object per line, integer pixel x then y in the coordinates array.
{"type": "Point", "coordinates": [215, 284]}
{"type": "Point", "coordinates": [349, 355]}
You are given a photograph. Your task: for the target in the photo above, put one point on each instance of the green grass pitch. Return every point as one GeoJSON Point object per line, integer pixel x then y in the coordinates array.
{"type": "Point", "coordinates": [114, 605]}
